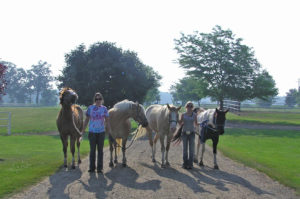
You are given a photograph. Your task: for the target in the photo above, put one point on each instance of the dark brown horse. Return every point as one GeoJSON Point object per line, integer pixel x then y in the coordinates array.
{"type": "Point", "coordinates": [69, 123]}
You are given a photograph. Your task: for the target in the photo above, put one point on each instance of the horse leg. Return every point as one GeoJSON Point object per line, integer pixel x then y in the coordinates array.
{"type": "Point", "coordinates": [123, 151]}
{"type": "Point", "coordinates": [215, 143]}
{"type": "Point", "coordinates": [111, 164]}
{"type": "Point", "coordinates": [162, 144]}
{"type": "Point", "coordinates": [167, 148]}
{"type": "Point", "coordinates": [116, 153]}
{"type": "Point", "coordinates": [72, 147]}
{"type": "Point", "coordinates": [64, 140]}
{"type": "Point", "coordinates": [202, 152]}
{"type": "Point", "coordinates": [154, 147]}
{"type": "Point", "coordinates": [197, 150]}
{"type": "Point", "coordinates": [78, 150]}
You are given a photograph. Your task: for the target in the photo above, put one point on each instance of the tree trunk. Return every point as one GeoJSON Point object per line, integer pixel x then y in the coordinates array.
{"type": "Point", "coordinates": [221, 104]}
{"type": "Point", "coordinates": [37, 97]}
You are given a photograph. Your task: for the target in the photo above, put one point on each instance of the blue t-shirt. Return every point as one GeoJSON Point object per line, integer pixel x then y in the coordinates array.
{"type": "Point", "coordinates": [97, 116]}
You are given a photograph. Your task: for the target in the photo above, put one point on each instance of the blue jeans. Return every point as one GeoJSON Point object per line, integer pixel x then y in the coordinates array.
{"type": "Point", "coordinates": [188, 142]}
{"type": "Point", "coordinates": [96, 141]}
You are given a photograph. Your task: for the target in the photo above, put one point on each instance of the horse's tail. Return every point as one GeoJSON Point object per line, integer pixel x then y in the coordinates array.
{"type": "Point", "coordinates": [140, 132]}
{"type": "Point", "coordinates": [119, 145]}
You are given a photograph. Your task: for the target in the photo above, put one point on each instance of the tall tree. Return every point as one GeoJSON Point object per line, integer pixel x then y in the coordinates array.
{"type": "Point", "coordinates": [2, 80]}
{"type": "Point", "coordinates": [291, 98]}
{"type": "Point", "coordinates": [153, 95]}
{"type": "Point", "coordinates": [228, 66]}
{"type": "Point", "coordinates": [116, 73]}
{"type": "Point", "coordinates": [189, 88]}
{"type": "Point", "coordinates": [16, 79]}
{"type": "Point", "coordinates": [40, 78]}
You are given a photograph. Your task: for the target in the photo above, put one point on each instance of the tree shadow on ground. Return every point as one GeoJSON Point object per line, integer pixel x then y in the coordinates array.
{"type": "Point", "coordinates": [220, 178]}
{"type": "Point", "coordinates": [174, 174]}
{"type": "Point", "coordinates": [61, 180]}
{"type": "Point", "coordinates": [128, 177]}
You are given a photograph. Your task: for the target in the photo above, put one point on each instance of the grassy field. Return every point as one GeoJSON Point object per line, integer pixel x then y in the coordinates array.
{"type": "Point", "coordinates": [263, 117]}
{"type": "Point", "coordinates": [28, 119]}
{"type": "Point", "coordinates": [274, 152]}
{"type": "Point", "coordinates": [26, 159]}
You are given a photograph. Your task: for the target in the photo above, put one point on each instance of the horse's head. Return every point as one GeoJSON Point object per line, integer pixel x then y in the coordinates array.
{"type": "Point", "coordinates": [220, 118]}
{"type": "Point", "coordinates": [67, 96]}
{"type": "Point", "coordinates": [139, 114]}
{"type": "Point", "coordinates": [173, 116]}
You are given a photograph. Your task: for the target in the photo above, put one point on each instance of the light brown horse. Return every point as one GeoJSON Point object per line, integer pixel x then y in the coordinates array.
{"type": "Point", "coordinates": [119, 118]}
{"type": "Point", "coordinates": [69, 123]}
{"type": "Point", "coordinates": [162, 120]}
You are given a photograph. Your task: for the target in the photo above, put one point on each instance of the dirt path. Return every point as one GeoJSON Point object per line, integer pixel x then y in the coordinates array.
{"type": "Point", "coordinates": [144, 179]}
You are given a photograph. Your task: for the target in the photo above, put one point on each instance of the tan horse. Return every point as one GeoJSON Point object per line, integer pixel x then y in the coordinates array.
{"type": "Point", "coordinates": [69, 123]}
{"type": "Point", "coordinates": [119, 118]}
{"type": "Point", "coordinates": [162, 120]}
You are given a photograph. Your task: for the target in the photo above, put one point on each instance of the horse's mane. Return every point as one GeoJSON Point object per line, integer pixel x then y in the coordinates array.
{"type": "Point", "coordinates": [123, 105]}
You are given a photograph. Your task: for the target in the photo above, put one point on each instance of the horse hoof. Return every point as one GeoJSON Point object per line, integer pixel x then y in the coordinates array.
{"type": "Point", "coordinates": [65, 166]}
{"type": "Point", "coordinates": [111, 164]}
{"type": "Point", "coordinates": [163, 166]}
{"type": "Point", "coordinates": [216, 167]}
{"type": "Point", "coordinates": [201, 164]}
{"type": "Point", "coordinates": [73, 167]}
{"type": "Point", "coordinates": [124, 165]}
{"type": "Point", "coordinates": [79, 161]}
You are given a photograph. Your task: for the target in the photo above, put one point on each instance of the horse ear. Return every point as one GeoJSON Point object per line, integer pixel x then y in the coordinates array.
{"type": "Point", "coordinates": [178, 108]}
{"type": "Point", "coordinates": [168, 106]}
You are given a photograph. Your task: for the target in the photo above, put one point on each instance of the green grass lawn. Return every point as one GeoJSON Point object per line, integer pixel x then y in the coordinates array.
{"type": "Point", "coordinates": [29, 119]}
{"type": "Point", "coordinates": [274, 152]}
{"type": "Point", "coordinates": [274, 118]}
{"type": "Point", "coordinates": [26, 159]}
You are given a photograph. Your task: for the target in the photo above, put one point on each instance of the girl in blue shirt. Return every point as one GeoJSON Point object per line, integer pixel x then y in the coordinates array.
{"type": "Point", "coordinates": [98, 118]}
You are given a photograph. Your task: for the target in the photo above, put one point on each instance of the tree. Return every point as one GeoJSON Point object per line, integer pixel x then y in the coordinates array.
{"type": "Point", "coordinates": [2, 80]}
{"type": "Point", "coordinates": [16, 79]}
{"type": "Point", "coordinates": [291, 98]}
{"type": "Point", "coordinates": [228, 66]}
{"type": "Point", "coordinates": [104, 68]}
{"type": "Point", "coordinates": [40, 78]}
{"type": "Point", "coordinates": [189, 88]}
{"type": "Point", "coordinates": [153, 95]}
{"type": "Point", "coordinates": [49, 97]}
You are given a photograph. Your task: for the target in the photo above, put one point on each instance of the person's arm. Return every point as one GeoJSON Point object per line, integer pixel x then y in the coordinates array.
{"type": "Point", "coordinates": [86, 121]}
{"type": "Point", "coordinates": [195, 120]}
{"type": "Point", "coordinates": [180, 122]}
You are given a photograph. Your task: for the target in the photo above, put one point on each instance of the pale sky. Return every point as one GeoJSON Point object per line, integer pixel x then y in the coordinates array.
{"type": "Point", "coordinates": [46, 30]}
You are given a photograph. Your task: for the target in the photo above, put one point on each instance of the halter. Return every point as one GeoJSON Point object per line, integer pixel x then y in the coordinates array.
{"type": "Point", "coordinates": [170, 120]}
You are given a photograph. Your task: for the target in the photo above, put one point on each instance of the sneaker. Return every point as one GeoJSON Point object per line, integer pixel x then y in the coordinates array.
{"type": "Point", "coordinates": [91, 170]}
{"type": "Point", "coordinates": [99, 171]}
{"type": "Point", "coordinates": [184, 166]}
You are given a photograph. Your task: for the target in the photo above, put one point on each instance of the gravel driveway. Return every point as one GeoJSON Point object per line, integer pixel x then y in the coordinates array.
{"type": "Point", "coordinates": [144, 179]}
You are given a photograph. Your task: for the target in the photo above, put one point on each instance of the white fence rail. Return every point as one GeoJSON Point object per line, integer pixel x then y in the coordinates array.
{"type": "Point", "coordinates": [233, 106]}
{"type": "Point", "coordinates": [6, 116]}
